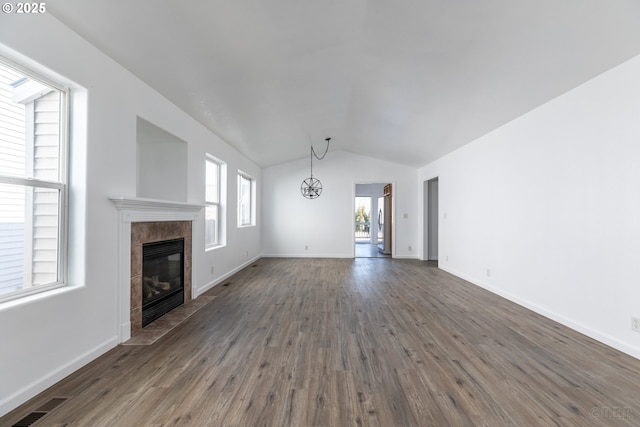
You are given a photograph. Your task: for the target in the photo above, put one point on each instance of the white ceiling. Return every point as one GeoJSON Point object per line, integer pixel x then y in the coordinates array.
{"type": "Point", "coordinates": [403, 80]}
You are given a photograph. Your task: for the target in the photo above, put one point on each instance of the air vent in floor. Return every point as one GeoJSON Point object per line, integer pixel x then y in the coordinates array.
{"type": "Point", "coordinates": [43, 410]}
{"type": "Point", "coordinates": [30, 419]}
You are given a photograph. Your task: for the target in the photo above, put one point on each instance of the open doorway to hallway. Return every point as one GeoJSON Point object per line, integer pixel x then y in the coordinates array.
{"type": "Point", "coordinates": [369, 216]}
{"type": "Point", "coordinates": [431, 209]}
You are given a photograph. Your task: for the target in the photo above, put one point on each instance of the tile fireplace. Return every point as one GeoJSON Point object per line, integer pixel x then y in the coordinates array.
{"type": "Point", "coordinates": [144, 221]}
{"type": "Point", "coordinates": [160, 269]}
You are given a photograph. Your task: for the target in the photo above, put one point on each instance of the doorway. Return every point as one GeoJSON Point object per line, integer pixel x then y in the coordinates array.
{"type": "Point", "coordinates": [363, 219]}
{"type": "Point", "coordinates": [369, 221]}
{"type": "Point", "coordinates": [430, 238]}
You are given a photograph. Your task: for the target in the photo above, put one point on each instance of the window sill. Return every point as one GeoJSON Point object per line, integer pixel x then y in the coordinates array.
{"type": "Point", "coordinates": [36, 297]}
{"type": "Point", "coordinates": [213, 248]}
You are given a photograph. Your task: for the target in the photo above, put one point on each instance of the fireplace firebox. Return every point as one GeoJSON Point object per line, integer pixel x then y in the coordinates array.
{"type": "Point", "coordinates": [162, 278]}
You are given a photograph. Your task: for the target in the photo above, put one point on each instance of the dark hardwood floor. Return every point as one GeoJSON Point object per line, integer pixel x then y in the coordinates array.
{"type": "Point", "coordinates": [340, 342]}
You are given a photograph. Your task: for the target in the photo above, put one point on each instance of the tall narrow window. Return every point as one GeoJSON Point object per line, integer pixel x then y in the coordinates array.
{"type": "Point", "coordinates": [246, 200]}
{"type": "Point", "coordinates": [215, 201]}
{"type": "Point", "coordinates": [33, 182]}
{"type": "Point", "coordinates": [212, 203]}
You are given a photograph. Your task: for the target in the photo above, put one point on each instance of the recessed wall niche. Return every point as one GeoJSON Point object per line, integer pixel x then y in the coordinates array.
{"type": "Point", "coordinates": [162, 164]}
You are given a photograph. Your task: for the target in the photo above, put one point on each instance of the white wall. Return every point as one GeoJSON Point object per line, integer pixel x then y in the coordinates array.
{"type": "Point", "coordinates": [325, 224]}
{"type": "Point", "coordinates": [162, 164]}
{"type": "Point", "coordinates": [48, 336]}
{"type": "Point", "coordinates": [550, 203]}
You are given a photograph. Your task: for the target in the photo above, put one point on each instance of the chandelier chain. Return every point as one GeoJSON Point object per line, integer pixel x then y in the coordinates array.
{"type": "Point", "coordinates": [313, 154]}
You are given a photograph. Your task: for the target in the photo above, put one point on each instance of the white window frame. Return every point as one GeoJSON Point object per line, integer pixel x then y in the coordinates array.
{"type": "Point", "coordinates": [61, 185]}
{"type": "Point", "coordinates": [252, 200]}
{"type": "Point", "coordinates": [218, 205]}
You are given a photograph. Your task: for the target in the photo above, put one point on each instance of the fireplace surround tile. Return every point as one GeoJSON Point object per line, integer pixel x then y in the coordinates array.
{"type": "Point", "coordinates": [136, 292]}
{"type": "Point", "coordinates": [187, 247]}
{"type": "Point", "coordinates": [148, 232]}
{"type": "Point", "coordinates": [136, 320]}
{"type": "Point", "coordinates": [187, 273]}
{"type": "Point", "coordinates": [136, 259]}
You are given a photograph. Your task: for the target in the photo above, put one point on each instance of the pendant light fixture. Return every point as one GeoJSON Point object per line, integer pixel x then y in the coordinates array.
{"type": "Point", "coordinates": [312, 187]}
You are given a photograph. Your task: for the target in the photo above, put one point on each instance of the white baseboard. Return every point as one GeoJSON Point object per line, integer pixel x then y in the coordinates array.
{"type": "Point", "coordinates": [125, 331]}
{"type": "Point", "coordinates": [331, 256]}
{"type": "Point", "coordinates": [16, 399]}
{"type": "Point", "coordinates": [568, 322]}
{"type": "Point", "coordinates": [217, 281]}
{"type": "Point", "coordinates": [349, 255]}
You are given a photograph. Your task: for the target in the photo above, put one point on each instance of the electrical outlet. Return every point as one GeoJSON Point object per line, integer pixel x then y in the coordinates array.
{"type": "Point", "coordinates": [447, 258]}
{"type": "Point", "coordinates": [212, 269]}
{"type": "Point", "coordinates": [306, 247]}
{"type": "Point", "coordinates": [409, 248]}
{"type": "Point", "coordinates": [635, 324]}
{"type": "Point", "coordinates": [488, 272]}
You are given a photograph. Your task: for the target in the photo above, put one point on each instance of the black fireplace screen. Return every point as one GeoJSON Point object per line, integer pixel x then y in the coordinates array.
{"type": "Point", "coordinates": [162, 278]}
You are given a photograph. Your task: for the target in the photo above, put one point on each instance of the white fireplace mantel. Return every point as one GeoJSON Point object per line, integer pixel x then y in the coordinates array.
{"type": "Point", "coordinates": [140, 210]}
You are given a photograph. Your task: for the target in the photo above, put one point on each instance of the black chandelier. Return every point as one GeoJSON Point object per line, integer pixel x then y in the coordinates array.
{"type": "Point", "coordinates": [312, 187]}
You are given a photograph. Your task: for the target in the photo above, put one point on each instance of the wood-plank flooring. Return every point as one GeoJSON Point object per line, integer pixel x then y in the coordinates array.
{"type": "Point", "coordinates": [343, 342]}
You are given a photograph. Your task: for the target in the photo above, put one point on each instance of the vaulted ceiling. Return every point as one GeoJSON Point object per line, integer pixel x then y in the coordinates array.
{"type": "Point", "coordinates": [406, 81]}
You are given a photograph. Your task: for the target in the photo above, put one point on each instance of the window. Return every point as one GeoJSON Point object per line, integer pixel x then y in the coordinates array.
{"type": "Point", "coordinates": [213, 206]}
{"type": "Point", "coordinates": [246, 200]}
{"type": "Point", "coordinates": [33, 182]}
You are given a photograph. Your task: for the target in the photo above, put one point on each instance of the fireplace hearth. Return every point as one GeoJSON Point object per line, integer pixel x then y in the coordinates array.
{"type": "Point", "coordinates": [162, 278]}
